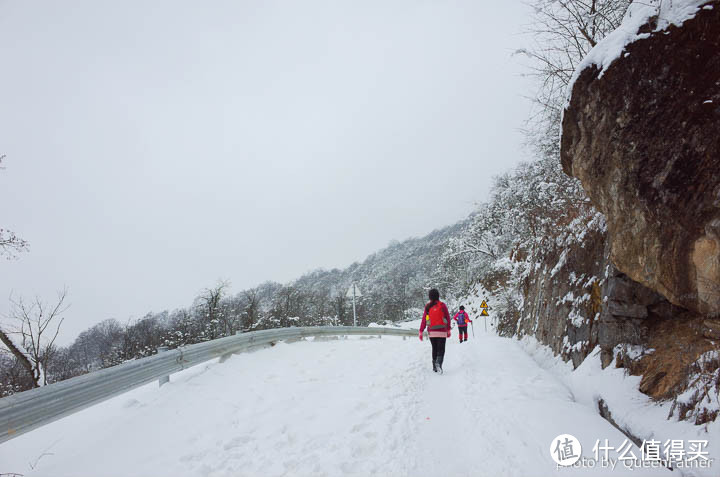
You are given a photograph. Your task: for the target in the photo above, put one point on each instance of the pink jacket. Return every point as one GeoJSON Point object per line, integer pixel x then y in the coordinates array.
{"type": "Point", "coordinates": [467, 318]}
{"type": "Point", "coordinates": [437, 334]}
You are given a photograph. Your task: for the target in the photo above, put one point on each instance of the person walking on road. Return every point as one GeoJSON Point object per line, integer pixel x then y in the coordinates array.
{"type": "Point", "coordinates": [436, 319]}
{"type": "Point", "coordinates": [462, 319]}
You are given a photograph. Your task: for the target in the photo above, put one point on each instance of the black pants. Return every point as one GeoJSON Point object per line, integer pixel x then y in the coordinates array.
{"type": "Point", "coordinates": [438, 349]}
{"type": "Point", "coordinates": [462, 330]}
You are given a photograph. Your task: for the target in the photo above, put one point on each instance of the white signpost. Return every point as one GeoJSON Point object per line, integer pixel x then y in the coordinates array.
{"type": "Point", "coordinates": [354, 292]}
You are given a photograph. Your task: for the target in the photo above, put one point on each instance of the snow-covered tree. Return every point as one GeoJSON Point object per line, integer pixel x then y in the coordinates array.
{"type": "Point", "coordinates": [208, 303]}
{"type": "Point", "coordinates": [562, 32]}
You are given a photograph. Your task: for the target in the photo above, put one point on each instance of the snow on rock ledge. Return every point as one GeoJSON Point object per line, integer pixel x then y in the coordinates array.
{"type": "Point", "coordinates": [660, 13]}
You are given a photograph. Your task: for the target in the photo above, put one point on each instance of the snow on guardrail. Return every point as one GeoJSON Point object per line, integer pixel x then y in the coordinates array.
{"type": "Point", "coordinates": [25, 411]}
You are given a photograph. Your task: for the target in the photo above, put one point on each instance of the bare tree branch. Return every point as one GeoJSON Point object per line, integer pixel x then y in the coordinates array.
{"type": "Point", "coordinates": [10, 244]}
{"type": "Point", "coordinates": [38, 327]}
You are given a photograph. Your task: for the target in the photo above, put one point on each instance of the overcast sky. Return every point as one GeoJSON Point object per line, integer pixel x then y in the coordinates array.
{"type": "Point", "coordinates": [155, 147]}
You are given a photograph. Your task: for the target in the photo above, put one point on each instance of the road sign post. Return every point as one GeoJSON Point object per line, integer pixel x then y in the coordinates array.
{"type": "Point", "coordinates": [354, 292]}
{"type": "Point", "coordinates": [354, 311]}
{"type": "Point", "coordinates": [484, 313]}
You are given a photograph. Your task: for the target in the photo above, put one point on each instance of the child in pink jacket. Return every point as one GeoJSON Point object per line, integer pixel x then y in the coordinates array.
{"type": "Point", "coordinates": [462, 319]}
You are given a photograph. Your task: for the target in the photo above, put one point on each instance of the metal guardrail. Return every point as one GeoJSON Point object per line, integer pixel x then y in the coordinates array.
{"type": "Point", "coordinates": [25, 411]}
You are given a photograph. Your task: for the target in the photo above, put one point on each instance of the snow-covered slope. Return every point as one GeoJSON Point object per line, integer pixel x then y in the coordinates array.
{"type": "Point", "coordinates": [357, 406]}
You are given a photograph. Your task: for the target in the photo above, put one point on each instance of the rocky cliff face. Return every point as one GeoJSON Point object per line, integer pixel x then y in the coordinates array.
{"type": "Point", "coordinates": [600, 305]}
{"type": "Point", "coordinates": [574, 299]}
{"type": "Point", "coordinates": [562, 296]}
{"type": "Point", "coordinates": [642, 134]}
{"type": "Point", "coordinates": [644, 140]}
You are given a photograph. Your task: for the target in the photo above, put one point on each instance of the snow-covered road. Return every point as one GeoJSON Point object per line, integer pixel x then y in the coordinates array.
{"type": "Point", "coordinates": [358, 406]}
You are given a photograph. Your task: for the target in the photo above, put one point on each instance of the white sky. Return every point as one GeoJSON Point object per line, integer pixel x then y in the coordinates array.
{"type": "Point", "coordinates": [155, 147]}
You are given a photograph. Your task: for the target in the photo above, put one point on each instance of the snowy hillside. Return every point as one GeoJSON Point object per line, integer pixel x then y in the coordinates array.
{"type": "Point", "coordinates": [364, 406]}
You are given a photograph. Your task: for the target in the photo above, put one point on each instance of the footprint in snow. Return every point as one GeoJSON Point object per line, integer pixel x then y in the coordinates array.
{"type": "Point", "coordinates": [132, 403]}
{"type": "Point", "coordinates": [237, 442]}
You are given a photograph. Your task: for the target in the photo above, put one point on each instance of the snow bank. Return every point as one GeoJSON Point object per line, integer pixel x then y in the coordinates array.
{"type": "Point", "coordinates": [630, 409]}
{"type": "Point", "coordinates": [668, 12]}
{"type": "Point", "coordinates": [343, 407]}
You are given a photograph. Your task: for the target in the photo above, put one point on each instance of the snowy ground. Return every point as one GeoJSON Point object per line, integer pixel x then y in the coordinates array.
{"type": "Point", "coordinates": [356, 406]}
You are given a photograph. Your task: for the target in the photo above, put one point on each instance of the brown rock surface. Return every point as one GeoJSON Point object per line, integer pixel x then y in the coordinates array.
{"type": "Point", "coordinates": [644, 140]}
{"type": "Point", "coordinates": [711, 329]}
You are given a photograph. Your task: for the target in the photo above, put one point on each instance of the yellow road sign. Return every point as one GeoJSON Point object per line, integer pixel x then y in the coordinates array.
{"type": "Point", "coordinates": [483, 304]}
{"type": "Point", "coordinates": [484, 313]}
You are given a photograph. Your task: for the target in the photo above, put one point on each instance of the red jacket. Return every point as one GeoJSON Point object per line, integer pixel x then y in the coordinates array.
{"type": "Point", "coordinates": [437, 334]}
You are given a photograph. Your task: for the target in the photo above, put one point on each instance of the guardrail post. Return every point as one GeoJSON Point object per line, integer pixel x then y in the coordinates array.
{"type": "Point", "coordinates": [163, 379]}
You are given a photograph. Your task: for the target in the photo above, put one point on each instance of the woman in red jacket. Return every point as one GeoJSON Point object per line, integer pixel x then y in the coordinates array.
{"type": "Point", "coordinates": [437, 320]}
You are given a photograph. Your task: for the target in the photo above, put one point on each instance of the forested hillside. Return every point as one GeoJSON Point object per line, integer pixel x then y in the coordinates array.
{"type": "Point", "coordinates": [393, 282]}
